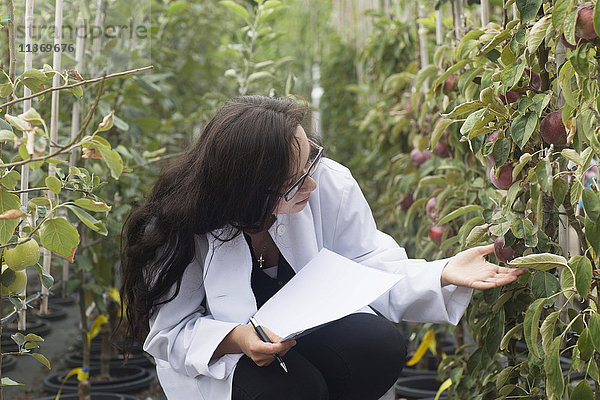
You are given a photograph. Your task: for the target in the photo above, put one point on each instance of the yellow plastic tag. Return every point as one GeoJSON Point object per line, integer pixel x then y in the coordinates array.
{"type": "Point", "coordinates": [95, 329]}
{"type": "Point", "coordinates": [82, 375]}
{"type": "Point", "coordinates": [428, 340]}
{"type": "Point", "coordinates": [447, 383]}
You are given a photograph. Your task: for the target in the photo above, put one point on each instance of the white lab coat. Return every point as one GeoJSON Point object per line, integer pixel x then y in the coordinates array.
{"type": "Point", "coordinates": [183, 335]}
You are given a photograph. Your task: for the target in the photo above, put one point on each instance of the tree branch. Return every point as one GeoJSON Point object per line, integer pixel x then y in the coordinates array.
{"type": "Point", "coordinates": [73, 85]}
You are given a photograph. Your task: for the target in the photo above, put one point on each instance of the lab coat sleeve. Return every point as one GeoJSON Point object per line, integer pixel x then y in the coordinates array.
{"type": "Point", "coordinates": [419, 296]}
{"type": "Point", "coordinates": [183, 335]}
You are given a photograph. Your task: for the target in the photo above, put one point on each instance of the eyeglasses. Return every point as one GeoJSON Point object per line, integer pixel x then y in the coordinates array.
{"type": "Point", "coordinates": [314, 157]}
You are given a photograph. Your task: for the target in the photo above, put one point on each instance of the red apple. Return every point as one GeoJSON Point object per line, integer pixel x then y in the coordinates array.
{"type": "Point", "coordinates": [450, 83]}
{"type": "Point", "coordinates": [503, 254]}
{"type": "Point", "coordinates": [504, 180]}
{"type": "Point", "coordinates": [553, 130]}
{"type": "Point", "coordinates": [578, 41]}
{"type": "Point", "coordinates": [406, 202]}
{"type": "Point", "coordinates": [511, 96]}
{"type": "Point", "coordinates": [584, 27]}
{"type": "Point", "coordinates": [436, 233]}
{"type": "Point", "coordinates": [431, 209]}
{"type": "Point", "coordinates": [492, 137]}
{"type": "Point", "coordinates": [441, 149]}
{"type": "Point", "coordinates": [534, 79]}
{"type": "Point", "coordinates": [418, 157]}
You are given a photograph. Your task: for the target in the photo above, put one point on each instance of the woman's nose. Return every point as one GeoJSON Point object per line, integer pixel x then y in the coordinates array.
{"type": "Point", "coordinates": [309, 184]}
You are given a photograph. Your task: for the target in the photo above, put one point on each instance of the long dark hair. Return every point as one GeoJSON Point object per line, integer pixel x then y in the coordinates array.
{"type": "Point", "coordinates": [232, 178]}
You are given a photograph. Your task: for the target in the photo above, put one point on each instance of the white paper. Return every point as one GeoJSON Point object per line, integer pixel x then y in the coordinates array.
{"type": "Point", "coordinates": [328, 288]}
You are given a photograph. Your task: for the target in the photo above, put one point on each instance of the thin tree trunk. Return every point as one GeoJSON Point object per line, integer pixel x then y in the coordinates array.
{"type": "Point", "coordinates": [485, 13]}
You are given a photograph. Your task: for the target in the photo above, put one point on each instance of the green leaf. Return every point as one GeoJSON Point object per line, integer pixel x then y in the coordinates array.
{"type": "Point", "coordinates": [476, 234]}
{"type": "Point", "coordinates": [440, 127]}
{"type": "Point", "coordinates": [522, 227]}
{"type": "Point", "coordinates": [541, 262]}
{"type": "Point", "coordinates": [259, 75]}
{"type": "Point", "coordinates": [544, 284]}
{"type": "Point", "coordinates": [582, 268]}
{"type": "Point", "coordinates": [585, 345]}
{"type": "Point", "coordinates": [6, 381]}
{"type": "Point", "coordinates": [18, 338]}
{"type": "Point", "coordinates": [111, 158]}
{"type": "Point", "coordinates": [569, 26]}
{"type": "Point", "coordinates": [567, 280]}
{"type": "Point", "coordinates": [45, 277]}
{"type": "Point", "coordinates": [512, 74]}
{"type": "Point", "coordinates": [572, 155]}
{"type": "Point", "coordinates": [17, 122]}
{"type": "Point", "coordinates": [6, 135]}
{"type": "Point", "coordinates": [54, 184]}
{"type": "Point", "coordinates": [592, 233]}
{"type": "Point", "coordinates": [559, 190]}
{"type": "Point", "coordinates": [59, 236]}
{"type": "Point", "coordinates": [515, 331]}
{"type": "Point", "coordinates": [537, 34]}
{"type": "Point", "coordinates": [583, 391]}
{"type": "Point", "coordinates": [8, 201]}
{"type": "Point", "coordinates": [579, 60]}
{"type": "Point", "coordinates": [531, 325]}
{"type": "Point", "coordinates": [523, 160]}
{"type": "Point", "coordinates": [522, 128]}
{"type": "Point", "coordinates": [5, 89]}
{"type": "Point", "coordinates": [88, 220]}
{"type": "Point", "coordinates": [528, 9]}
{"type": "Point", "coordinates": [564, 81]}
{"type": "Point", "coordinates": [32, 337]}
{"type": "Point", "coordinates": [594, 325]}
{"type": "Point", "coordinates": [597, 20]}
{"type": "Point", "coordinates": [236, 8]}
{"type": "Point", "coordinates": [547, 330]}
{"type": "Point", "coordinates": [449, 71]}
{"type": "Point", "coordinates": [41, 359]}
{"type": "Point", "coordinates": [559, 12]}
{"type": "Point", "coordinates": [542, 175]}
{"type": "Point", "coordinates": [471, 120]}
{"type": "Point", "coordinates": [500, 37]}
{"type": "Point", "coordinates": [457, 213]}
{"type": "Point", "coordinates": [555, 383]}
{"type": "Point", "coordinates": [541, 100]}
{"type": "Point", "coordinates": [92, 205]}
{"type": "Point", "coordinates": [576, 191]}
{"type": "Point", "coordinates": [591, 204]}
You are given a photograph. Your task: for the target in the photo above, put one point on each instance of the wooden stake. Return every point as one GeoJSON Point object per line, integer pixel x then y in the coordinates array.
{"type": "Point", "coordinates": [485, 13]}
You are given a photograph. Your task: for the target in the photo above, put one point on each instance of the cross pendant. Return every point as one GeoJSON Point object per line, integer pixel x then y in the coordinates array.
{"type": "Point", "coordinates": [260, 261]}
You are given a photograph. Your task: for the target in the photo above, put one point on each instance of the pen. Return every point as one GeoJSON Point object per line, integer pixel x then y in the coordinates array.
{"type": "Point", "coordinates": [263, 336]}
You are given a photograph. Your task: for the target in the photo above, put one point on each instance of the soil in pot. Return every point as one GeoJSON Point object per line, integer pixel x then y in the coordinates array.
{"type": "Point", "coordinates": [94, 396]}
{"type": "Point", "coordinates": [74, 359]}
{"type": "Point", "coordinates": [417, 387]}
{"type": "Point", "coordinates": [123, 380]}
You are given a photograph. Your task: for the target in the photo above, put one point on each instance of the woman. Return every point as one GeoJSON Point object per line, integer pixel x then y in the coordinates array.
{"type": "Point", "coordinates": [229, 223]}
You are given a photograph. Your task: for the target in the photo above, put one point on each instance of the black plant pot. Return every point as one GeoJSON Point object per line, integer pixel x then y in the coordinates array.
{"type": "Point", "coordinates": [417, 387]}
{"type": "Point", "coordinates": [8, 363]}
{"type": "Point", "coordinates": [33, 325]}
{"type": "Point", "coordinates": [96, 346]}
{"type": "Point", "coordinates": [124, 379]}
{"type": "Point", "coordinates": [55, 313]}
{"type": "Point", "coordinates": [410, 371]}
{"type": "Point", "coordinates": [74, 359]}
{"type": "Point", "coordinates": [94, 396]}
{"type": "Point", "coordinates": [63, 301]}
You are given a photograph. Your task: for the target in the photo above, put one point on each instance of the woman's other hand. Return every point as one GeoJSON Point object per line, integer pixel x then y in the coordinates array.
{"type": "Point", "coordinates": [261, 352]}
{"type": "Point", "coordinates": [470, 268]}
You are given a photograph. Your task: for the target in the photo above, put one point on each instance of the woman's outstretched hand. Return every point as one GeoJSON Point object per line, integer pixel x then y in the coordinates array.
{"type": "Point", "coordinates": [470, 268]}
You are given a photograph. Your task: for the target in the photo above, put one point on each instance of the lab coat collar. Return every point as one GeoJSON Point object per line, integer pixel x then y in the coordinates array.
{"type": "Point", "coordinates": [228, 265]}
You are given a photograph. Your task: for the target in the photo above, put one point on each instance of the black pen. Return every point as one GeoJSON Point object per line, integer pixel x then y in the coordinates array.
{"type": "Point", "coordinates": [263, 336]}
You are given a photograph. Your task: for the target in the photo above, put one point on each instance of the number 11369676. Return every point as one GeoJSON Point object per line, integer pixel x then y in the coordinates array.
{"type": "Point", "coordinates": [46, 48]}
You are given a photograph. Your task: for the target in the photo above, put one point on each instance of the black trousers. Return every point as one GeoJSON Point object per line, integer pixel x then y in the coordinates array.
{"type": "Point", "coordinates": [357, 357]}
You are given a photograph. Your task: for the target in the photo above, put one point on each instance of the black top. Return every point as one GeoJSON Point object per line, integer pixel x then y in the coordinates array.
{"type": "Point", "coordinates": [263, 286]}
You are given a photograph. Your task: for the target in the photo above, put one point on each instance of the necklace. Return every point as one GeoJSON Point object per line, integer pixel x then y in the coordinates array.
{"type": "Point", "coordinates": [260, 259]}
